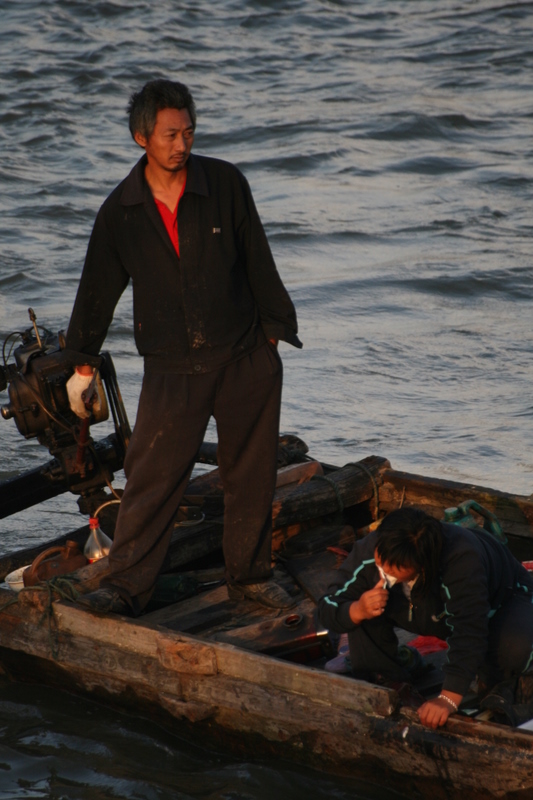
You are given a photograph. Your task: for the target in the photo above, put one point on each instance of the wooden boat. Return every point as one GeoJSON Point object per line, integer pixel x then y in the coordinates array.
{"type": "Point", "coordinates": [235, 676]}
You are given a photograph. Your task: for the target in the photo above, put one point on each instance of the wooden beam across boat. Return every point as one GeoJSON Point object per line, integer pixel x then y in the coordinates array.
{"type": "Point", "coordinates": [294, 505]}
{"type": "Point", "coordinates": [514, 512]}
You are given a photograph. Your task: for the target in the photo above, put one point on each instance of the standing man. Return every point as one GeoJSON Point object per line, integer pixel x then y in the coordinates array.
{"type": "Point", "coordinates": [209, 309]}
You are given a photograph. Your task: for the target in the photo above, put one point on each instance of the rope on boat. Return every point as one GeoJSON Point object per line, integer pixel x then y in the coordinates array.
{"type": "Point", "coordinates": [65, 588]}
{"type": "Point", "coordinates": [335, 488]}
{"type": "Point", "coordinates": [48, 614]}
{"type": "Point", "coordinates": [9, 603]}
{"type": "Point", "coordinates": [59, 585]}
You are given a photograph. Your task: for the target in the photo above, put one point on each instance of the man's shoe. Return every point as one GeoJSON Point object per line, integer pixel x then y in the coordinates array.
{"type": "Point", "coordinates": [341, 664]}
{"type": "Point", "coordinates": [501, 701]}
{"type": "Point", "coordinates": [104, 601]}
{"type": "Point", "coordinates": [412, 661]}
{"type": "Point", "coordinates": [266, 593]}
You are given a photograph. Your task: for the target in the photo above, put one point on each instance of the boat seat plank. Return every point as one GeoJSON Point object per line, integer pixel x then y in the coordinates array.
{"type": "Point", "coordinates": [207, 611]}
{"type": "Point", "coordinates": [297, 630]}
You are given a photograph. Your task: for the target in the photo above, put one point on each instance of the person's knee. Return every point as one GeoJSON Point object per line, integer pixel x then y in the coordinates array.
{"type": "Point", "coordinates": [515, 650]}
{"type": "Point", "coordinates": [516, 656]}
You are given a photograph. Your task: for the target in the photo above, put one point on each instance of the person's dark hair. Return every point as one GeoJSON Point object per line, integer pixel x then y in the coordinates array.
{"type": "Point", "coordinates": [156, 96]}
{"type": "Point", "coordinates": [411, 538]}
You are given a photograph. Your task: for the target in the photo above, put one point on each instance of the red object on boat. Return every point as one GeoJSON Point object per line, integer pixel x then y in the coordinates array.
{"type": "Point", "coordinates": [340, 551]}
{"type": "Point", "coordinates": [428, 644]}
{"type": "Point", "coordinates": [528, 565]}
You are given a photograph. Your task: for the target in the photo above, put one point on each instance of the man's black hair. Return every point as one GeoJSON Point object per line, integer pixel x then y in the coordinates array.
{"type": "Point", "coordinates": [156, 96]}
{"type": "Point", "coordinates": [411, 538]}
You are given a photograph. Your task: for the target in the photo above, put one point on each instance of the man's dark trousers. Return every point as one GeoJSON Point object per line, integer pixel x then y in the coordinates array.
{"type": "Point", "coordinates": [244, 397]}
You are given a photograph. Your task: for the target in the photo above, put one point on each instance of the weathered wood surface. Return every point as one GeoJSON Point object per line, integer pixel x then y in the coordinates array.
{"type": "Point", "coordinates": [514, 512]}
{"type": "Point", "coordinates": [298, 712]}
{"type": "Point", "coordinates": [122, 642]}
{"type": "Point", "coordinates": [212, 610]}
{"type": "Point", "coordinates": [315, 497]}
{"type": "Point", "coordinates": [324, 495]}
{"type": "Point", "coordinates": [207, 492]}
{"type": "Point", "coordinates": [296, 630]}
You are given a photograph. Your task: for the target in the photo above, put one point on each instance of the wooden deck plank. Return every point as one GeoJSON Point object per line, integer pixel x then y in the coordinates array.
{"type": "Point", "coordinates": [298, 630]}
{"type": "Point", "coordinates": [207, 611]}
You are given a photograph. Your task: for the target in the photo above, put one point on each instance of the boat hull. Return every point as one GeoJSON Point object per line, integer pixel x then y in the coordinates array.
{"type": "Point", "coordinates": [219, 695]}
{"type": "Point", "coordinates": [178, 666]}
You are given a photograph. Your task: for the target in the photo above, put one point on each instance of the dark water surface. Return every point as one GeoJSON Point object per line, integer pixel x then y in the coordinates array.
{"type": "Point", "coordinates": [388, 145]}
{"type": "Point", "coordinates": [56, 746]}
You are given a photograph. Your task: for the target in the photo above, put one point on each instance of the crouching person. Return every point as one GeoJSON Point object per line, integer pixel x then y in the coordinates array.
{"type": "Point", "coordinates": [435, 579]}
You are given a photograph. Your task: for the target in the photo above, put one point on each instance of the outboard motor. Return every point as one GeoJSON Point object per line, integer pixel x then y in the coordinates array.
{"type": "Point", "coordinates": [38, 402]}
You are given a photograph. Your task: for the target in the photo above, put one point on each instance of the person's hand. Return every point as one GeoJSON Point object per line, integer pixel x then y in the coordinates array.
{"type": "Point", "coordinates": [371, 603]}
{"type": "Point", "coordinates": [434, 713]}
{"type": "Point", "coordinates": [81, 387]}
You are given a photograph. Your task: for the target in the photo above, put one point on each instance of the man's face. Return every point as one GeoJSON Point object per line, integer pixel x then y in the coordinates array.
{"type": "Point", "coordinates": [171, 141]}
{"type": "Point", "coordinates": [400, 574]}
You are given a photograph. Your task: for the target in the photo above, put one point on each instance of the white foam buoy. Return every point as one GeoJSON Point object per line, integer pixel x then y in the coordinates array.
{"type": "Point", "coordinates": [14, 579]}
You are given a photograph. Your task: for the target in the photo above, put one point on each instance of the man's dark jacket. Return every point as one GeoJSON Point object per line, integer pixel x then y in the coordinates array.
{"type": "Point", "coordinates": [477, 575]}
{"type": "Point", "coordinates": [221, 299]}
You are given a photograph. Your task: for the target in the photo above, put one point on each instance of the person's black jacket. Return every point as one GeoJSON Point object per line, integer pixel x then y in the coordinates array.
{"type": "Point", "coordinates": [220, 300]}
{"type": "Point", "coordinates": [477, 575]}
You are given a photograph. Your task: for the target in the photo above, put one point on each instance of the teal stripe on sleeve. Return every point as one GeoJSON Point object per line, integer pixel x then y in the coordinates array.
{"type": "Point", "coordinates": [329, 598]}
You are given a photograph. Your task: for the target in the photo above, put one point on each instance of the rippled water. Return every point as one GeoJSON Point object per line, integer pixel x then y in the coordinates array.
{"type": "Point", "coordinates": [388, 145]}
{"type": "Point", "coordinates": [63, 748]}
